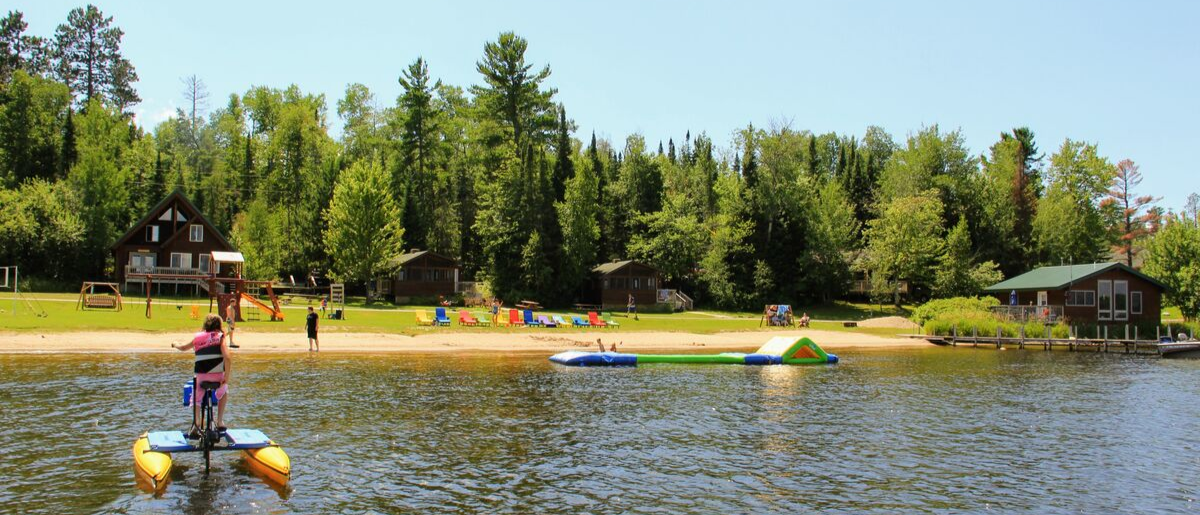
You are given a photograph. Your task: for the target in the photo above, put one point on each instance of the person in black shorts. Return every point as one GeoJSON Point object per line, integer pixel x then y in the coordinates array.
{"type": "Point", "coordinates": [310, 325]}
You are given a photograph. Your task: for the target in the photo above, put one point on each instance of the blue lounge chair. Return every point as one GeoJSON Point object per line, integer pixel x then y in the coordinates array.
{"type": "Point", "coordinates": [579, 322]}
{"type": "Point", "coordinates": [440, 318]}
{"type": "Point", "coordinates": [529, 320]}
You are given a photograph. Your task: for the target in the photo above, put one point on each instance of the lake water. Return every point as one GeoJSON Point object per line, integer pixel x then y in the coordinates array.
{"type": "Point", "coordinates": [915, 431]}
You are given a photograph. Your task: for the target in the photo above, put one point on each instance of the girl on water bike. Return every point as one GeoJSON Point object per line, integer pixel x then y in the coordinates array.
{"type": "Point", "coordinates": [212, 364]}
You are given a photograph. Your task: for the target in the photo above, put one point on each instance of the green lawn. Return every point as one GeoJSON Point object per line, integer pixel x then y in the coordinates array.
{"type": "Point", "coordinates": [171, 315]}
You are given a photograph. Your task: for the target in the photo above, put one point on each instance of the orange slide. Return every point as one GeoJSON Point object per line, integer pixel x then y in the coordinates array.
{"type": "Point", "coordinates": [275, 313]}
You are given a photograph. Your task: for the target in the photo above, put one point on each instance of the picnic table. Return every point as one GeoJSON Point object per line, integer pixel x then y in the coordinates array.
{"type": "Point", "coordinates": [586, 307]}
{"type": "Point", "coordinates": [528, 304]}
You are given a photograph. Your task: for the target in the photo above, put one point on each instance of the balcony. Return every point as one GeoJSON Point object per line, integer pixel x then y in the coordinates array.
{"type": "Point", "coordinates": [183, 275]}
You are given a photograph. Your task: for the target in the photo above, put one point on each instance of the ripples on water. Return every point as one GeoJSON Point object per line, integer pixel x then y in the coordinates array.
{"type": "Point", "coordinates": [937, 430]}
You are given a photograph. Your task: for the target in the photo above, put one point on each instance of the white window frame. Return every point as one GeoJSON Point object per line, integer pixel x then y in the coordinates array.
{"type": "Point", "coordinates": [192, 233]}
{"type": "Point", "coordinates": [1101, 313]}
{"type": "Point", "coordinates": [150, 256]}
{"type": "Point", "coordinates": [152, 233]}
{"type": "Point", "coordinates": [205, 263]}
{"type": "Point", "coordinates": [1121, 310]}
{"type": "Point", "coordinates": [1137, 294]}
{"type": "Point", "coordinates": [1043, 298]}
{"type": "Point", "coordinates": [181, 263]}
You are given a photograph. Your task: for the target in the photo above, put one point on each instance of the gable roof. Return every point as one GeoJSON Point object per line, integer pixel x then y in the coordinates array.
{"type": "Point", "coordinates": [150, 216]}
{"type": "Point", "coordinates": [404, 259]}
{"type": "Point", "coordinates": [608, 268]}
{"type": "Point", "coordinates": [1059, 277]}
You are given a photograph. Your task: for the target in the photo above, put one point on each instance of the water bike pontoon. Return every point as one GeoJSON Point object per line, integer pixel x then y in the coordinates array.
{"type": "Point", "coordinates": [152, 451]}
{"type": "Point", "coordinates": [781, 350]}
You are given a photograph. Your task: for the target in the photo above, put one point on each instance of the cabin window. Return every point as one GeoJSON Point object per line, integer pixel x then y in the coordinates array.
{"type": "Point", "coordinates": [1121, 300]}
{"type": "Point", "coordinates": [196, 233]}
{"type": "Point", "coordinates": [205, 260]}
{"type": "Point", "coordinates": [141, 261]}
{"type": "Point", "coordinates": [1135, 302]}
{"type": "Point", "coordinates": [637, 283]}
{"type": "Point", "coordinates": [400, 276]}
{"type": "Point", "coordinates": [152, 233]}
{"type": "Point", "coordinates": [1104, 300]}
{"type": "Point", "coordinates": [181, 260]}
{"type": "Point", "coordinates": [650, 283]}
{"type": "Point", "coordinates": [1081, 298]}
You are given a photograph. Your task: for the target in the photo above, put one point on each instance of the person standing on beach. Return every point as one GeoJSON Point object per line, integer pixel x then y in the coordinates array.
{"type": "Point", "coordinates": [495, 311]}
{"type": "Point", "coordinates": [310, 325]}
{"type": "Point", "coordinates": [631, 307]}
{"type": "Point", "coordinates": [231, 320]}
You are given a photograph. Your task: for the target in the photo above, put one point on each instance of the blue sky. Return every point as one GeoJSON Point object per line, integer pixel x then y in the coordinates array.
{"type": "Point", "coordinates": [1121, 74]}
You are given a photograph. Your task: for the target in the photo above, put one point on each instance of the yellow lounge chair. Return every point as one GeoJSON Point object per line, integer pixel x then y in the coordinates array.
{"type": "Point", "coordinates": [423, 318]}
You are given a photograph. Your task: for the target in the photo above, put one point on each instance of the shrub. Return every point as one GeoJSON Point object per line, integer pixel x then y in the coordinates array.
{"type": "Point", "coordinates": [986, 325]}
{"type": "Point", "coordinates": [962, 306]}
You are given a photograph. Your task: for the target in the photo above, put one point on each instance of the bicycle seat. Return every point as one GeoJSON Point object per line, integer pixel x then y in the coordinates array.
{"type": "Point", "coordinates": [210, 385]}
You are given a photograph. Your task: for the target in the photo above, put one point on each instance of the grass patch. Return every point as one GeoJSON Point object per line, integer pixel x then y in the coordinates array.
{"type": "Point", "coordinates": [173, 315]}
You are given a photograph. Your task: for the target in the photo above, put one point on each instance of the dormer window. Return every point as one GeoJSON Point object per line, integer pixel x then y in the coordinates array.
{"type": "Point", "coordinates": [152, 233]}
{"type": "Point", "coordinates": [196, 233]}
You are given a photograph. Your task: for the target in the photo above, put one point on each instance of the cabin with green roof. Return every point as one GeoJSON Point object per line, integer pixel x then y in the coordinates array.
{"type": "Point", "coordinates": [1103, 293]}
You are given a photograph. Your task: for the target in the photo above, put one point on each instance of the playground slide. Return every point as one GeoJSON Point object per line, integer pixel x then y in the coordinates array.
{"type": "Point", "coordinates": [267, 309]}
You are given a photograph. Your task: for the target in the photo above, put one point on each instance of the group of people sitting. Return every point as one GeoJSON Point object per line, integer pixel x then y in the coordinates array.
{"type": "Point", "coordinates": [782, 315]}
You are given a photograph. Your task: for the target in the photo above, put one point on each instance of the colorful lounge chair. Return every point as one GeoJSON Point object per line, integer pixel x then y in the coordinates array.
{"type": "Point", "coordinates": [610, 322]}
{"type": "Point", "coordinates": [423, 318]}
{"type": "Point", "coordinates": [558, 320]}
{"type": "Point", "coordinates": [465, 318]}
{"type": "Point", "coordinates": [440, 317]}
{"type": "Point", "coordinates": [484, 319]}
{"type": "Point", "coordinates": [546, 322]}
{"type": "Point", "coordinates": [514, 318]}
{"type": "Point", "coordinates": [529, 320]}
{"type": "Point", "coordinates": [594, 320]}
{"type": "Point", "coordinates": [579, 322]}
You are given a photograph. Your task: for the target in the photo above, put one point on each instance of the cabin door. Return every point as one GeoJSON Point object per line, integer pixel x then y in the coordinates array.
{"type": "Point", "coordinates": [1043, 298]}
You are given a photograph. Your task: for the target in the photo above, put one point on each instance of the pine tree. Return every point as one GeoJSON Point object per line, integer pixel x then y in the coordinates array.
{"type": "Point", "coordinates": [564, 167]}
{"type": "Point", "coordinates": [90, 60]}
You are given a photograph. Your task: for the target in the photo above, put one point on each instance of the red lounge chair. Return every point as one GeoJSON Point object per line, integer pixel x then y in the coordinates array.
{"type": "Point", "coordinates": [465, 318]}
{"type": "Point", "coordinates": [594, 319]}
{"type": "Point", "coordinates": [514, 317]}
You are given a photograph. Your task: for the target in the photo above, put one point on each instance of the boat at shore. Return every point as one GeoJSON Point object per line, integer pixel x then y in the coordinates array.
{"type": "Point", "coordinates": [1185, 350]}
{"type": "Point", "coordinates": [780, 350]}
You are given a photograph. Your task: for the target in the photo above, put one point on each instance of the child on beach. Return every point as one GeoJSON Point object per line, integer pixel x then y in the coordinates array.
{"type": "Point", "coordinates": [231, 321]}
{"type": "Point", "coordinates": [600, 344]}
{"type": "Point", "coordinates": [213, 364]}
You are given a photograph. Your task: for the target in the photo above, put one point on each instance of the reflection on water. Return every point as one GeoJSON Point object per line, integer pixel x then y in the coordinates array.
{"type": "Point", "coordinates": [937, 430]}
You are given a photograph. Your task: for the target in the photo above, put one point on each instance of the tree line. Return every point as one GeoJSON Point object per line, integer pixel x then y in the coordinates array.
{"type": "Point", "coordinates": [495, 175]}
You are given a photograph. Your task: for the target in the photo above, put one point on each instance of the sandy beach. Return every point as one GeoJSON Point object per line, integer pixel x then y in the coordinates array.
{"type": "Point", "coordinates": [120, 342]}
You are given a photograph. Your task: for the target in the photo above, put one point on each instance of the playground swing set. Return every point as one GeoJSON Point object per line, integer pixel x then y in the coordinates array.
{"type": "Point", "coordinates": [226, 287]}
{"type": "Point", "coordinates": [10, 277]}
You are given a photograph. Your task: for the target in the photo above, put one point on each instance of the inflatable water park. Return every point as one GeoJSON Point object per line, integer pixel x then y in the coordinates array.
{"type": "Point", "coordinates": [780, 350]}
{"type": "Point", "coordinates": [152, 451]}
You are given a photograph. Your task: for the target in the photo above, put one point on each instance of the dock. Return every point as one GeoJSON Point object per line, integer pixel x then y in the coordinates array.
{"type": "Point", "coordinates": [1127, 343]}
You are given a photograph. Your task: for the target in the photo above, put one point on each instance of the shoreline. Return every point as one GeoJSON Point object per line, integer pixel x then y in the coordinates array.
{"type": "Point", "coordinates": [119, 342]}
